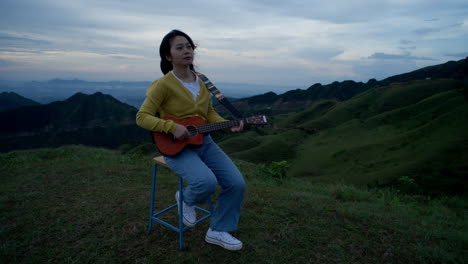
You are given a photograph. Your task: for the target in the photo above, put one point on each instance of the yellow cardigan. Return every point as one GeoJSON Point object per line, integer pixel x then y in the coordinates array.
{"type": "Point", "coordinates": [168, 97]}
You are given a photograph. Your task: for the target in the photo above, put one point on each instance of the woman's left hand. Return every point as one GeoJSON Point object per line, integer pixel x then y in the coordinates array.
{"type": "Point", "coordinates": [238, 128]}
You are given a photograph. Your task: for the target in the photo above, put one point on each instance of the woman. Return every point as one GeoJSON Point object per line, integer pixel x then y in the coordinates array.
{"type": "Point", "coordinates": [181, 94]}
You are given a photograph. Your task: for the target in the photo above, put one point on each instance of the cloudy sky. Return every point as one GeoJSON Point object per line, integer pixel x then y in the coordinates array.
{"type": "Point", "coordinates": [293, 42]}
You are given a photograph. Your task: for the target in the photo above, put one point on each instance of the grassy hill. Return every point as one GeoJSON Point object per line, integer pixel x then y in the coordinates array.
{"type": "Point", "coordinates": [78, 204]}
{"type": "Point", "coordinates": [414, 131]}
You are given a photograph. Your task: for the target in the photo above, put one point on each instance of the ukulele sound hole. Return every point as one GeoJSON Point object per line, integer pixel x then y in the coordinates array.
{"type": "Point", "coordinates": [192, 130]}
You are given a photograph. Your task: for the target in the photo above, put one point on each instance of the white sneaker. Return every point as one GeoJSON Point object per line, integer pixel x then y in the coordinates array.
{"type": "Point", "coordinates": [223, 239]}
{"type": "Point", "coordinates": [189, 215]}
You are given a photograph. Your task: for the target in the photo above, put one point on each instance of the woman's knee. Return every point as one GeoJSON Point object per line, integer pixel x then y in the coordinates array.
{"type": "Point", "coordinates": [207, 186]}
{"type": "Point", "coordinates": [238, 185]}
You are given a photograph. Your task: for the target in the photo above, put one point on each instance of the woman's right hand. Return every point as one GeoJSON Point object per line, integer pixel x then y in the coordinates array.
{"type": "Point", "coordinates": [181, 132]}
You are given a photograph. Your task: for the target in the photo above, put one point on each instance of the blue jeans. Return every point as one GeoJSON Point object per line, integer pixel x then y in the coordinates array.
{"type": "Point", "coordinates": [203, 168]}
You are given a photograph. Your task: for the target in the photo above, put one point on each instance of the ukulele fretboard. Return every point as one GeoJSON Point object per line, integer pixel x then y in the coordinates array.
{"type": "Point", "coordinates": [217, 126]}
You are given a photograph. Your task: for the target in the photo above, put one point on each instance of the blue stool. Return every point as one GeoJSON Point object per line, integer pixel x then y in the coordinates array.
{"type": "Point", "coordinates": [159, 161]}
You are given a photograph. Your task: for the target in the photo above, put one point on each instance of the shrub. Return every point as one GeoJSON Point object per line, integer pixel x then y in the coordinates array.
{"type": "Point", "coordinates": [276, 169]}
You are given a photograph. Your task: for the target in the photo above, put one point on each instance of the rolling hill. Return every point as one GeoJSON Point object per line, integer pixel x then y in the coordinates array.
{"type": "Point", "coordinates": [414, 131]}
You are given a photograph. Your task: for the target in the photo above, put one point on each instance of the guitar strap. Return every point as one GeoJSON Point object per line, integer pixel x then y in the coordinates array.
{"type": "Point", "coordinates": [219, 96]}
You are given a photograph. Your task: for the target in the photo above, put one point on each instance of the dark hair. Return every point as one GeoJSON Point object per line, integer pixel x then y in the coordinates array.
{"type": "Point", "coordinates": [165, 49]}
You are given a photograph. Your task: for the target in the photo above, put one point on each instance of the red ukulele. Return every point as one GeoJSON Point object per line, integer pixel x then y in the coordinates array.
{"type": "Point", "coordinates": [197, 127]}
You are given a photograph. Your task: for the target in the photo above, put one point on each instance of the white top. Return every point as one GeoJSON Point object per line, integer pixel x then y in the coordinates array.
{"type": "Point", "coordinates": [193, 87]}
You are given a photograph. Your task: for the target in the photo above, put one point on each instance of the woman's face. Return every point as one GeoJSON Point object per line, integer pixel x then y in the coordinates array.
{"type": "Point", "coordinates": [181, 51]}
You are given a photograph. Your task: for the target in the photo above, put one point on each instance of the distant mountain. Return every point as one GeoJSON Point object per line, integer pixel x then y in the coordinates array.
{"type": "Point", "coordinates": [58, 89]}
{"type": "Point", "coordinates": [97, 119]}
{"type": "Point", "coordinates": [299, 99]}
{"type": "Point", "coordinates": [132, 93]}
{"type": "Point", "coordinates": [11, 100]}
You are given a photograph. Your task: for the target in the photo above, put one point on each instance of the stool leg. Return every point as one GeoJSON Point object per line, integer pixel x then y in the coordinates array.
{"type": "Point", "coordinates": [181, 222]}
{"type": "Point", "coordinates": [153, 190]}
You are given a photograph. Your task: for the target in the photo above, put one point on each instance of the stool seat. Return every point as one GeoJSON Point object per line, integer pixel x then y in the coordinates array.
{"type": "Point", "coordinates": [161, 161]}
{"type": "Point", "coordinates": [154, 216]}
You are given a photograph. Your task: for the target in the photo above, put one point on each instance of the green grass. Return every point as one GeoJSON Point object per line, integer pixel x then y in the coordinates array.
{"type": "Point", "coordinates": [79, 204]}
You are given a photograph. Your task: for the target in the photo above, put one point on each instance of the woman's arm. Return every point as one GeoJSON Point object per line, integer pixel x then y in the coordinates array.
{"type": "Point", "coordinates": [146, 116]}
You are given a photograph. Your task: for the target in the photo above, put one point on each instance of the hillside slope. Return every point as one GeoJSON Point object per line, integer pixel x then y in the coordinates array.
{"type": "Point", "coordinates": [415, 130]}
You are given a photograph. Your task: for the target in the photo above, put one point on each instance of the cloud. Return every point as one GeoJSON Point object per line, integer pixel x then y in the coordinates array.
{"type": "Point", "coordinates": [406, 42]}
{"type": "Point", "coordinates": [429, 30]}
{"type": "Point", "coordinates": [408, 48]}
{"type": "Point", "coordinates": [8, 40]}
{"type": "Point", "coordinates": [426, 30]}
{"type": "Point", "coordinates": [457, 55]}
{"type": "Point", "coordinates": [384, 56]}
{"type": "Point", "coordinates": [381, 69]}
{"type": "Point", "coordinates": [7, 63]}
{"type": "Point", "coordinates": [120, 57]}
{"type": "Point", "coordinates": [347, 11]}
{"type": "Point", "coordinates": [297, 41]}
{"type": "Point", "coordinates": [362, 11]}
